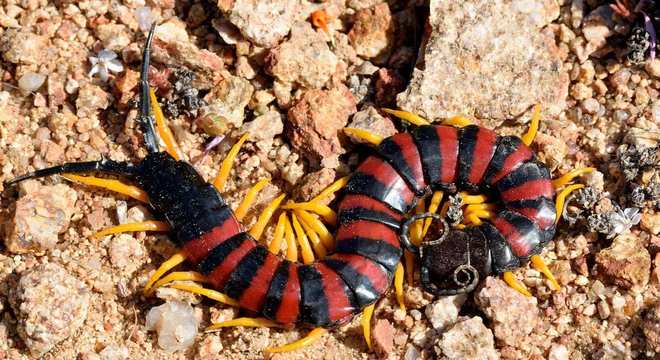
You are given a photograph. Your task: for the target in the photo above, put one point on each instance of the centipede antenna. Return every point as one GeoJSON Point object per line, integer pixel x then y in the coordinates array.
{"type": "Point", "coordinates": [105, 165]}
{"type": "Point", "coordinates": [144, 117]}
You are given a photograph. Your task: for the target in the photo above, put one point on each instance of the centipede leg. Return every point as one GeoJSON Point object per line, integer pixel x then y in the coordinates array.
{"type": "Point", "coordinates": [313, 336]}
{"type": "Point", "coordinates": [164, 131]}
{"type": "Point", "coordinates": [209, 293]}
{"type": "Point", "coordinates": [110, 184]}
{"type": "Point", "coordinates": [529, 136]}
{"type": "Point", "coordinates": [367, 313]}
{"type": "Point", "coordinates": [242, 209]}
{"type": "Point", "coordinates": [180, 276]}
{"type": "Point", "coordinates": [150, 225]}
{"type": "Point", "coordinates": [225, 168]}
{"type": "Point", "coordinates": [264, 217]}
{"type": "Point", "coordinates": [570, 176]}
{"type": "Point", "coordinates": [407, 116]}
{"type": "Point", "coordinates": [539, 264]}
{"type": "Point", "coordinates": [364, 135]}
{"type": "Point", "coordinates": [457, 121]}
{"type": "Point", "coordinates": [511, 280]}
{"type": "Point", "coordinates": [244, 322]}
{"type": "Point", "coordinates": [168, 265]}
{"type": "Point", "coordinates": [561, 198]}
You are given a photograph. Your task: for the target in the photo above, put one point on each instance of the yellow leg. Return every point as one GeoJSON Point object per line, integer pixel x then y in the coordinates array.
{"type": "Point", "coordinates": [329, 215]}
{"type": "Point", "coordinates": [276, 244]}
{"type": "Point", "coordinates": [314, 238]}
{"type": "Point", "coordinates": [333, 188]}
{"type": "Point", "coordinates": [305, 248]}
{"type": "Point", "coordinates": [407, 116]}
{"type": "Point", "coordinates": [415, 238]}
{"type": "Point", "coordinates": [433, 208]}
{"type": "Point", "coordinates": [365, 135]}
{"type": "Point", "coordinates": [458, 121]}
{"type": "Point", "coordinates": [468, 199]}
{"type": "Point", "coordinates": [225, 168]}
{"type": "Point", "coordinates": [291, 247]}
{"type": "Point", "coordinates": [150, 225]}
{"type": "Point", "coordinates": [244, 322]}
{"type": "Point", "coordinates": [264, 217]}
{"type": "Point", "coordinates": [367, 313]}
{"type": "Point", "coordinates": [539, 264]}
{"type": "Point", "coordinates": [242, 209]}
{"type": "Point", "coordinates": [163, 130]}
{"type": "Point", "coordinates": [168, 265]}
{"type": "Point", "coordinates": [561, 198]}
{"type": "Point", "coordinates": [317, 225]}
{"type": "Point", "coordinates": [510, 279]}
{"type": "Point", "coordinates": [568, 177]}
{"type": "Point", "coordinates": [475, 216]}
{"type": "Point", "coordinates": [528, 138]}
{"type": "Point", "coordinates": [398, 286]}
{"type": "Point", "coordinates": [209, 293]}
{"type": "Point", "coordinates": [313, 336]}
{"type": "Point", "coordinates": [110, 184]}
{"type": "Point", "coordinates": [179, 276]}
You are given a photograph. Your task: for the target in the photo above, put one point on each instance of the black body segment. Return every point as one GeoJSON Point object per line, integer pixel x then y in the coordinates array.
{"type": "Point", "coordinates": [177, 192]}
{"type": "Point", "coordinates": [220, 253]}
{"type": "Point", "coordinates": [276, 291]}
{"type": "Point", "coordinates": [502, 257]}
{"type": "Point", "coordinates": [364, 291]}
{"type": "Point", "coordinates": [400, 152]}
{"type": "Point", "coordinates": [313, 303]}
{"type": "Point", "coordinates": [377, 179]}
{"type": "Point", "coordinates": [438, 155]}
{"type": "Point", "coordinates": [350, 215]}
{"type": "Point", "coordinates": [242, 275]}
{"type": "Point", "coordinates": [476, 148]}
{"type": "Point", "coordinates": [510, 153]}
{"type": "Point", "coordinates": [378, 251]}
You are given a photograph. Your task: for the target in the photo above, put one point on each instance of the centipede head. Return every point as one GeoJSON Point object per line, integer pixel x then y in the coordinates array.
{"type": "Point", "coordinates": [455, 262]}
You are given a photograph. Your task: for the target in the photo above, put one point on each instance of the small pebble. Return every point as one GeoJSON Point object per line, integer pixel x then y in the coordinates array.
{"type": "Point", "coordinates": [175, 324]}
{"type": "Point", "coordinates": [31, 81]}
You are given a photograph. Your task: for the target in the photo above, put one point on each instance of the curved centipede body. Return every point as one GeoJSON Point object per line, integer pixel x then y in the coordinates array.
{"type": "Point", "coordinates": [373, 212]}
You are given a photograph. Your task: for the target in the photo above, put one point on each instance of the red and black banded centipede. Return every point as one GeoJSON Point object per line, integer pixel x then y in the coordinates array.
{"type": "Point", "coordinates": [374, 214]}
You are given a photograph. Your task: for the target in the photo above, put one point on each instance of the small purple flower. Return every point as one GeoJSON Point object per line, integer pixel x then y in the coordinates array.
{"type": "Point", "coordinates": [105, 62]}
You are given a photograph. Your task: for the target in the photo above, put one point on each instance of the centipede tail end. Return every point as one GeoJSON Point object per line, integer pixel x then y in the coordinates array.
{"type": "Point", "coordinates": [103, 165]}
{"type": "Point", "coordinates": [145, 118]}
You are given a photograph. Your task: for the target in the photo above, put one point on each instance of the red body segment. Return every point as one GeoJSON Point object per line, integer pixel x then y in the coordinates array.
{"type": "Point", "coordinates": [529, 190]}
{"type": "Point", "coordinates": [219, 276]}
{"type": "Point", "coordinates": [253, 297]}
{"type": "Point", "coordinates": [198, 248]}
{"type": "Point", "coordinates": [289, 308]}
{"type": "Point", "coordinates": [522, 154]}
{"type": "Point", "coordinates": [449, 152]}
{"type": "Point", "coordinates": [339, 304]}
{"type": "Point", "coordinates": [411, 156]}
{"type": "Point", "coordinates": [484, 148]}
{"type": "Point", "coordinates": [368, 230]}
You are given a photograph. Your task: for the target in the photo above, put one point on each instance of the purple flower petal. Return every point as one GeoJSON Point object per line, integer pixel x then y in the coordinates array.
{"type": "Point", "coordinates": [648, 26]}
{"type": "Point", "coordinates": [211, 145]}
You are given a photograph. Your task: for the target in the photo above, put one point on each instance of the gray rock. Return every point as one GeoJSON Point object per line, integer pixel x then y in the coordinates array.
{"type": "Point", "coordinates": [264, 22]}
{"type": "Point", "coordinates": [369, 119]}
{"type": "Point", "coordinates": [513, 315]}
{"type": "Point", "coordinates": [226, 105]}
{"type": "Point", "coordinates": [469, 339]}
{"type": "Point", "coordinates": [304, 60]}
{"type": "Point", "coordinates": [42, 212]}
{"type": "Point", "coordinates": [50, 305]}
{"type": "Point", "coordinates": [476, 64]}
{"type": "Point", "coordinates": [444, 311]}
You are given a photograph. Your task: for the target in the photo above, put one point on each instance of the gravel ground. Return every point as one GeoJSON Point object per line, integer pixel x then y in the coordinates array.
{"type": "Point", "coordinates": [68, 87]}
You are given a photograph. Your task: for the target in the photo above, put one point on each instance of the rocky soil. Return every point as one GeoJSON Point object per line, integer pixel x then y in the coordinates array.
{"type": "Point", "coordinates": [68, 87]}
